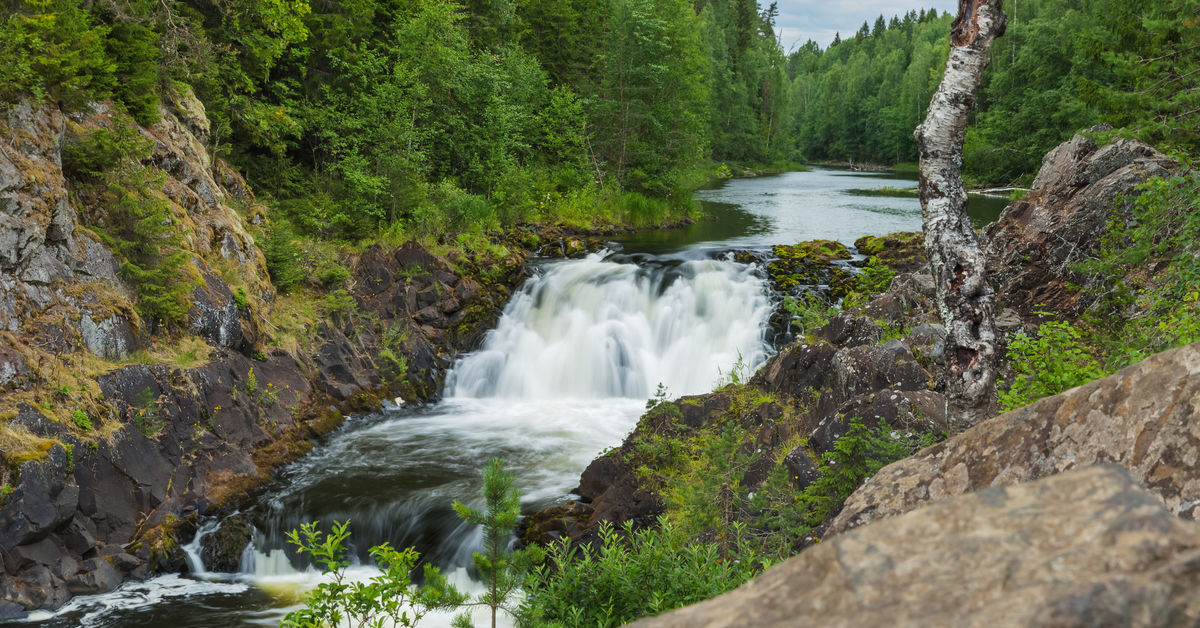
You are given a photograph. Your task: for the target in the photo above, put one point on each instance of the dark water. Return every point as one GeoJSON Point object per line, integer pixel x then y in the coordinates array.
{"type": "Point", "coordinates": [556, 403]}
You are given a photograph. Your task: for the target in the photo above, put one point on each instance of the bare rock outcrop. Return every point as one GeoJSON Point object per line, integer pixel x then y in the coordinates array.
{"type": "Point", "coordinates": [1037, 239]}
{"type": "Point", "coordinates": [1085, 548]}
{"type": "Point", "coordinates": [1145, 418]}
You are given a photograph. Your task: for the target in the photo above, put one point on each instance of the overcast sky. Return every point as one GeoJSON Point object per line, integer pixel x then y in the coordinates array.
{"type": "Point", "coordinates": [801, 20]}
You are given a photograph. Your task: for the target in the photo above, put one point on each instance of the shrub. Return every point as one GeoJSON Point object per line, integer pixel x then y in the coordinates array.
{"type": "Point", "coordinates": [389, 596]}
{"type": "Point", "coordinates": [628, 575]}
{"type": "Point", "coordinates": [284, 257]}
{"type": "Point", "coordinates": [1053, 361]}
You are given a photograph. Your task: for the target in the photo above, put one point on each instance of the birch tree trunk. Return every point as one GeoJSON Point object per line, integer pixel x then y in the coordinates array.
{"type": "Point", "coordinates": [963, 295]}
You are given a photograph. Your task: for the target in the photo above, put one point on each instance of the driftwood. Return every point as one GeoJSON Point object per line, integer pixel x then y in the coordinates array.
{"type": "Point", "coordinates": [965, 300]}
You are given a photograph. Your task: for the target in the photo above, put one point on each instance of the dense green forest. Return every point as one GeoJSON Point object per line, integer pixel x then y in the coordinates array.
{"type": "Point", "coordinates": [1062, 66]}
{"type": "Point", "coordinates": [430, 117]}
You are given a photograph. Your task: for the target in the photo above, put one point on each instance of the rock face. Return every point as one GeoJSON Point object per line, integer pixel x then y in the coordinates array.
{"type": "Point", "coordinates": [1036, 240]}
{"type": "Point", "coordinates": [113, 461]}
{"type": "Point", "coordinates": [1086, 548]}
{"type": "Point", "coordinates": [1145, 418]}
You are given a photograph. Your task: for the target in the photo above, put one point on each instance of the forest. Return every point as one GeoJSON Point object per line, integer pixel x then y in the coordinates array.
{"type": "Point", "coordinates": [430, 117]}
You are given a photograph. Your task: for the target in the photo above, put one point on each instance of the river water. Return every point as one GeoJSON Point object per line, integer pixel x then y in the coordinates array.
{"type": "Point", "coordinates": [565, 374]}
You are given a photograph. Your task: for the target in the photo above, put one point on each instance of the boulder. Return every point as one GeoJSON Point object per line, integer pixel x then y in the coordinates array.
{"type": "Point", "coordinates": [1086, 548]}
{"type": "Point", "coordinates": [1145, 418]}
{"type": "Point", "coordinates": [222, 550]}
{"type": "Point", "coordinates": [1037, 239]}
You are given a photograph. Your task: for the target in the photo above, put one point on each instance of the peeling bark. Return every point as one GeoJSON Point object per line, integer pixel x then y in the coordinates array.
{"type": "Point", "coordinates": [964, 298]}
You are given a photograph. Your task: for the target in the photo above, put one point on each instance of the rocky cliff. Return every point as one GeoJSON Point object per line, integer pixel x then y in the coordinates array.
{"type": "Point", "coordinates": [114, 435]}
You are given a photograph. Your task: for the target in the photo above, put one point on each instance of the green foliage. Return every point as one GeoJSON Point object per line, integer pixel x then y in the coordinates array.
{"type": "Point", "coordinates": [631, 574]}
{"type": "Point", "coordinates": [239, 298]}
{"type": "Point", "coordinates": [503, 571]}
{"type": "Point", "coordinates": [135, 217]}
{"type": "Point", "coordinates": [1053, 361]}
{"type": "Point", "coordinates": [391, 596]}
{"type": "Point", "coordinates": [856, 456]}
{"type": "Point", "coordinates": [146, 414]}
{"type": "Point", "coordinates": [875, 277]}
{"type": "Point", "coordinates": [53, 49]}
{"type": "Point", "coordinates": [340, 306]}
{"type": "Point", "coordinates": [70, 449]}
{"type": "Point", "coordinates": [283, 257]}
{"type": "Point", "coordinates": [737, 375]}
{"type": "Point", "coordinates": [1141, 286]}
{"type": "Point", "coordinates": [808, 312]}
{"type": "Point", "coordinates": [81, 420]}
{"type": "Point", "coordinates": [661, 396]}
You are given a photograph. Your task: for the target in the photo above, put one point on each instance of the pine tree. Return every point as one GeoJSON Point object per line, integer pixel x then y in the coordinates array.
{"type": "Point", "coordinates": [502, 570]}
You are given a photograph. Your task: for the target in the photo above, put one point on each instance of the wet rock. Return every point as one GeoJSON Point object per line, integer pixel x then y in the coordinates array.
{"type": "Point", "coordinates": [801, 467]}
{"type": "Point", "coordinates": [1145, 418]}
{"type": "Point", "coordinates": [557, 522]}
{"type": "Point", "coordinates": [14, 372]}
{"type": "Point", "coordinates": [97, 575]}
{"type": "Point", "coordinates": [44, 499]}
{"type": "Point", "coordinates": [923, 337]}
{"type": "Point", "coordinates": [112, 338]}
{"type": "Point", "coordinates": [215, 316]}
{"type": "Point", "coordinates": [222, 549]}
{"type": "Point", "coordinates": [870, 368]}
{"type": "Point", "coordinates": [1087, 548]}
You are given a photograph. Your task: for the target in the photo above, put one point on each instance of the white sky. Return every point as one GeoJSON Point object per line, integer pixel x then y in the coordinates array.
{"type": "Point", "coordinates": [801, 20]}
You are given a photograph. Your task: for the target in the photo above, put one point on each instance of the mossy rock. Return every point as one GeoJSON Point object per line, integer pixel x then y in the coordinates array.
{"type": "Point", "coordinates": [903, 252]}
{"type": "Point", "coordinates": [823, 251]}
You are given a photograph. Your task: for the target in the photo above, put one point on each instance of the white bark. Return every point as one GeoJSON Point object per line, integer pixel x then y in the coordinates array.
{"type": "Point", "coordinates": [964, 297]}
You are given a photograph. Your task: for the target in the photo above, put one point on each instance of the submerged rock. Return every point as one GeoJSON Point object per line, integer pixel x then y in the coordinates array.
{"type": "Point", "coordinates": [1086, 548]}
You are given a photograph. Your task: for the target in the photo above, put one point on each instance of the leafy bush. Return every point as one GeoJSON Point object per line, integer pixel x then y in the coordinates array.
{"type": "Point", "coordinates": [1053, 361]}
{"type": "Point", "coordinates": [630, 574]}
{"type": "Point", "coordinates": [389, 596]}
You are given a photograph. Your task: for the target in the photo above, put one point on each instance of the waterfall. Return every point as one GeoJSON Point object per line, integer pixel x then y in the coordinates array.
{"type": "Point", "coordinates": [599, 328]}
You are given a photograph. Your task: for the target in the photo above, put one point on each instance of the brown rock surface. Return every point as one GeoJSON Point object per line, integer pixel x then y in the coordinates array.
{"type": "Point", "coordinates": [1085, 548]}
{"type": "Point", "coordinates": [1146, 418]}
{"type": "Point", "coordinates": [1036, 240]}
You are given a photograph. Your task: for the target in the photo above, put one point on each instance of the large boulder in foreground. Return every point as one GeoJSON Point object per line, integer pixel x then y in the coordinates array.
{"type": "Point", "coordinates": [1085, 548]}
{"type": "Point", "coordinates": [1145, 418]}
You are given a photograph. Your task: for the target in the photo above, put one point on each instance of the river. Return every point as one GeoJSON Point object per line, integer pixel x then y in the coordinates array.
{"type": "Point", "coordinates": [565, 374]}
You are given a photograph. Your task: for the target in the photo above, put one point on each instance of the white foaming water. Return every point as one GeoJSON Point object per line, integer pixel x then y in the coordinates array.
{"type": "Point", "coordinates": [594, 328]}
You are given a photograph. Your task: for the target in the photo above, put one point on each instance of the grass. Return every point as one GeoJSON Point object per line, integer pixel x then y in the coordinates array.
{"type": "Point", "coordinates": [294, 319]}
{"type": "Point", "coordinates": [887, 191]}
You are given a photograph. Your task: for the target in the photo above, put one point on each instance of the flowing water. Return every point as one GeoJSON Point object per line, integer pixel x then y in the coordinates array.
{"type": "Point", "coordinates": [566, 373]}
